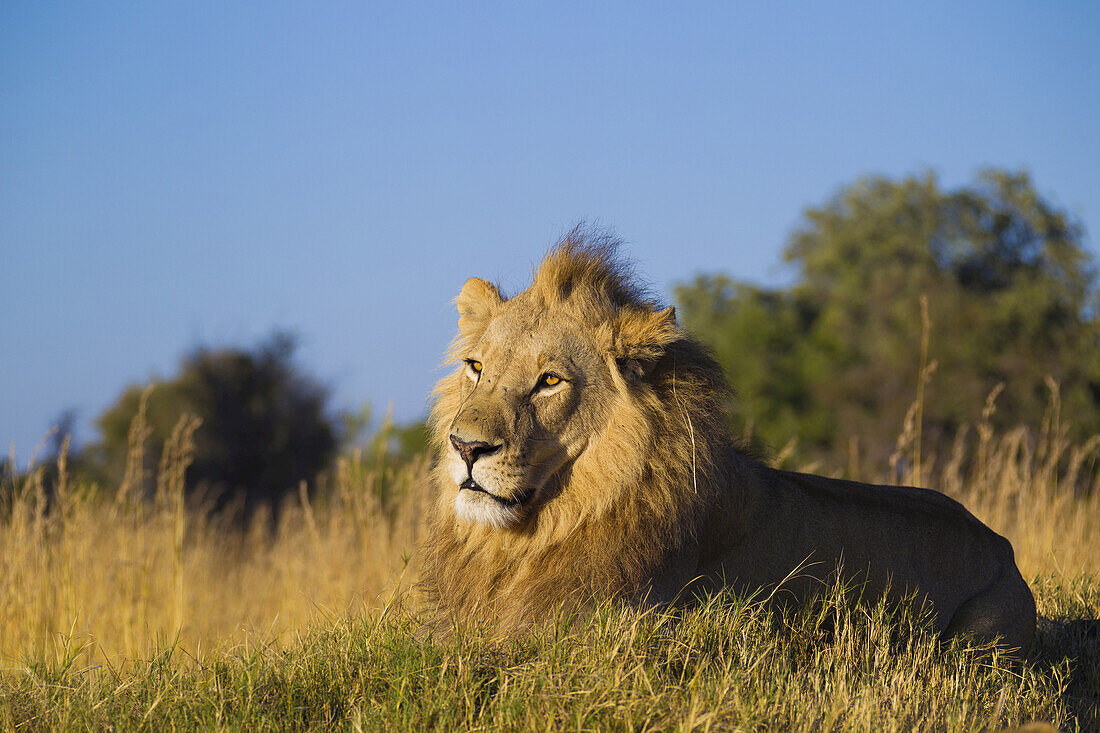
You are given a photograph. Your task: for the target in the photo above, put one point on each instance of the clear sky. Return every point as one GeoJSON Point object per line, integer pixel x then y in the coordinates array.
{"type": "Point", "coordinates": [174, 174]}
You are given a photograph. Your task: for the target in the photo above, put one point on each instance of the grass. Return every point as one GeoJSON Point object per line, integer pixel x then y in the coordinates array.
{"type": "Point", "coordinates": [728, 664]}
{"type": "Point", "coordinates": [131, 612]}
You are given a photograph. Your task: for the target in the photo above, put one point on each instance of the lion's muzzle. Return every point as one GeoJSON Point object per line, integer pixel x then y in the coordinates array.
{"type": "Point", "coordinates": [471, 485]}
{"type": "Point", "coordinates": [471, 450]}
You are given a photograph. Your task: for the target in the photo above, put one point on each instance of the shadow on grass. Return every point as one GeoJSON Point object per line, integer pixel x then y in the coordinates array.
{"type": "Point", "coordinates": [1075, 641]}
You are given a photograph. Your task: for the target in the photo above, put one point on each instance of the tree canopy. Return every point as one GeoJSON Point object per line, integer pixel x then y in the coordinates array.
{"type": "Point", "coordinates": [265, 424]}
{"type": "Point", "coordinates": [1011, 295]}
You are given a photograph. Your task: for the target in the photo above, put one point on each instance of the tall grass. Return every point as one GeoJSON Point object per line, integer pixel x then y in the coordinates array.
{"type": "Point", "coordinates": [119, 576]}
{"type": "Point", "coordinates": [120, 606]}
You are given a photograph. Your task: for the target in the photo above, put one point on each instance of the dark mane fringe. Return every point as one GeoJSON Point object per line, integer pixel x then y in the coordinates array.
{"type": "Point", "coordinates": [587, 260]}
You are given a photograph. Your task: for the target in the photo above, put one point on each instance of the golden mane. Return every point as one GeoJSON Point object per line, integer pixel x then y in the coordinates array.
{"type": "Point", "coordinates": [584, 267]}
{"type": "Point", "coordinates": [637, 492]}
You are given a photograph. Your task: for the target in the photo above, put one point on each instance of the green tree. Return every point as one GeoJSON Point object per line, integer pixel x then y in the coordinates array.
{"type": "Point", "coordinates": [265, 424]}
{"type": "Point", "coordinates": [1011, 293]}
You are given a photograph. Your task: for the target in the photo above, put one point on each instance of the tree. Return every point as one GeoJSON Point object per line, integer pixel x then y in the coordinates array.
{"type": "Point", "coordinates": [265, 425]}
{"type": "Point", "coordinates": [1012, 298]}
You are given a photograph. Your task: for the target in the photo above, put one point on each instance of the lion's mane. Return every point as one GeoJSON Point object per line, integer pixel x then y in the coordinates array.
{"type": "Point", "coordinates": [636, 496]}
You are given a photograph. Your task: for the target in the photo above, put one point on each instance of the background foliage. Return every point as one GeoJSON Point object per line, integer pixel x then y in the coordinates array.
{"type": "Point", "coordinates": [265, 426]}
{"type": "Point", "coordinates": [1011, 296]}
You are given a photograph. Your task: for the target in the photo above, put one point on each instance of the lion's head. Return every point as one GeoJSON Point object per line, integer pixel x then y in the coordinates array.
{"type": "Point", "coordinates": [579, 427]}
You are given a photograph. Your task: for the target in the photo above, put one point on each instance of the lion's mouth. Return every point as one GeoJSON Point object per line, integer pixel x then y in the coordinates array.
{"type": "Point", "coordinates": [470, 485]}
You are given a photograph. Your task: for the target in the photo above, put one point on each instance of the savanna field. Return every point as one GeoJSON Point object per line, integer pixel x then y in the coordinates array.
{"type": "Point", "coordinates": [134, 594]}
{"type": "Point", "coordinates": [123, 611]}
{"type": "Point", "coordinates": [697, 288]}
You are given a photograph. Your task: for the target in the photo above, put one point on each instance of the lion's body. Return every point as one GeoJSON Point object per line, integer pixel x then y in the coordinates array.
{"type": "Point", "coordinates": [585, 454]}
{"type": "Point", "coordinates": [888, 539]}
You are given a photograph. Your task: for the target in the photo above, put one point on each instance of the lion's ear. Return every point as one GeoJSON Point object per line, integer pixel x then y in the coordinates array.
{"type": "Point", "coordinates": [641, 338]}
{"type": "Point", "coordinates": [477, 303]}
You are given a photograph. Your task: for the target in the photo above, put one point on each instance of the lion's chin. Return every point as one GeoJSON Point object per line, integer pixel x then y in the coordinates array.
{"type": "Point", "coordinates": [481, 508]}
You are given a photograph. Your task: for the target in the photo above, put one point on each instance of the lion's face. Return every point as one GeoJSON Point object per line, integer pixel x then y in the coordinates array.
{"type": "Point", "coordinates": [532, 387]}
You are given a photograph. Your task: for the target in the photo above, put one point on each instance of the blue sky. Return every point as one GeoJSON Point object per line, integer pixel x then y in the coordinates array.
{"type": "Point", "coordinates": [175, 174]}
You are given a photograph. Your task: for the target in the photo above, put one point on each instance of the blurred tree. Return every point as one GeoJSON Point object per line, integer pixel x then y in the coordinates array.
{"type": "Point", "coordinates": [1011, 294]}
{"type": "Point", "coordinates": [59, 446]}
{"type": "Point", "coordinates": [394, 442]}
{"type": "Point", "coordinates": [265, 425]}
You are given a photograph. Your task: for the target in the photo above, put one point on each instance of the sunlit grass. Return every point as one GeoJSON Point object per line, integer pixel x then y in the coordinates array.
{"type": "Point", "coordinates": [130, 611]}
{"type": "Point", "coordinates": [728, 664]}
{"type": "Point", "coordinates": [119, 575]}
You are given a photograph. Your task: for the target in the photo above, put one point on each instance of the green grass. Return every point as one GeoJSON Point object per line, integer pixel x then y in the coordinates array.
{"type": "Point", "coordinates": [729, 664]}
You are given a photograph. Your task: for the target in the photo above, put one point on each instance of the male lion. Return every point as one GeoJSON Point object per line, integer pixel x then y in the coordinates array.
{"type": "Point", "coordinates": [584, 453]}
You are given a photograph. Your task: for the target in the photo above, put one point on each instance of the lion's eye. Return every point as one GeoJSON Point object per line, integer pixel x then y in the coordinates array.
{"type": "Point", "coordinates": [549, 380]}
{"type": "Point", "coordinates": [475, 366]}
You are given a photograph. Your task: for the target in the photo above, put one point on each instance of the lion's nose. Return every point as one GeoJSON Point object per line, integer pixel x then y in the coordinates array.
{"type": "Point", "coordinates": [472, 450]}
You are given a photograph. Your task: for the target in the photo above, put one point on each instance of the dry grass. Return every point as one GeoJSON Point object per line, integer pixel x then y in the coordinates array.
{"type": "Point", "coordinates": [726, 665]}
{"type": "Point", "coordinates": [171, 606]}
{"type": "Point", "coordinates": [121, 577]}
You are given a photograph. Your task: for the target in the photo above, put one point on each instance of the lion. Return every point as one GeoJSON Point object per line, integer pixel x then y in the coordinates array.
{"type": "Point", "coordinates": [584, 453]}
